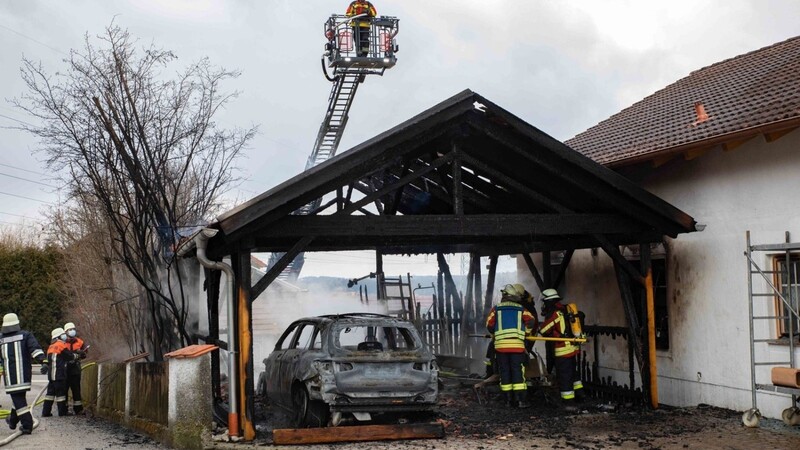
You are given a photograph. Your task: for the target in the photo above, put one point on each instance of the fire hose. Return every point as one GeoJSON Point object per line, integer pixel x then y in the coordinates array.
{"type": "Point", "coordinates": [538, 338]}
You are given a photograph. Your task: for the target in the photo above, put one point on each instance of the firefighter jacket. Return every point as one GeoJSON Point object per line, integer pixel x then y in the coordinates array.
{"type": "Point", "coordinates": [509, 322]}
{"type": "Point", "coordinates": [18, 350]}
{"type": "Point", "coordinates": [361, 7]}
{"type": "Point", "coordinates": [58, 355]}
{"type": "Point", "coordinates": [555, 325]}
{"type": "Point", "coordinates": [76, 346]}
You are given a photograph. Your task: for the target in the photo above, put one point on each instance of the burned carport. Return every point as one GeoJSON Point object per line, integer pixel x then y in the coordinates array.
{"type": "Point", "coordinates": [465, 176]}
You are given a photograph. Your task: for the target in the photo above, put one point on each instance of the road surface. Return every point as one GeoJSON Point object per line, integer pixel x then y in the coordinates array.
{"type": "Point", "coordinates": [72, 432]}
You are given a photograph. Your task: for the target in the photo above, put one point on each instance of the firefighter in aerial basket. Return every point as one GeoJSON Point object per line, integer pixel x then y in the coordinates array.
{"type": "Point", "coordinates": [362, 25]}
{"type": "Point", "coordinates": [558, 323]}
{"type": "Point", "coordinates": [508, 323]}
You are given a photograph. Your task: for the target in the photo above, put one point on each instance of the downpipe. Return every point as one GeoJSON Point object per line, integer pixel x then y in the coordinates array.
{"type": "Point", "coordinates": [201, 243]}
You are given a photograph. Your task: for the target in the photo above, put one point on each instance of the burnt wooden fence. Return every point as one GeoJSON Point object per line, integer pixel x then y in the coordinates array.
{"type": "Point", "coordinates": [605, 387]}
{"type": "Point", "coordinates": [112, 387]}
{"type": "Point", "coordinates": [150, 389]}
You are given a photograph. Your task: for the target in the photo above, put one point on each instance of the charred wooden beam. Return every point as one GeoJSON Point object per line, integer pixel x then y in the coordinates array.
{"type": "Point", "coordinates": [516, 185]}
{"type": "Point", "coordinates": [609, 189]}
{"type": "Point", "coordinates": [458, 188]}
{"type": "Point", "coordinates": [487, 305]}
{"type": "Point", "coordinates": [613, 251]}
{"type": "Point", "coordinates": [281, 264]}
{"type": "Point", "coordinates": [547, 270]}
{"type": "Point", "coordinates": [357, 433]}
{"type": "Point", "coordinates": [562, 269]}
{"type": "Point", "coordinates": [393, 186]}
{"type": "Point", "coordinates": [624, 283]}
{"type": "Point", "coordinates": [532, 267]}
{"type": "Point", "coordinates": [494, 225]}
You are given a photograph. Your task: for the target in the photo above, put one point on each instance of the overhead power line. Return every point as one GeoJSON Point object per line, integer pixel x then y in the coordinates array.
{"type": "Point", "coordinates": [17, 120]}
{"type": "Point", "coordinates": [24, 170]}
{"type": "Point", "coordinates": [34, 40]}
{"type": "Point", "coordinates": [29, 180]}
{"type": "Point", "coordinates": [26, 198]}
{"type": "Point", "coordinates": [19, 215]}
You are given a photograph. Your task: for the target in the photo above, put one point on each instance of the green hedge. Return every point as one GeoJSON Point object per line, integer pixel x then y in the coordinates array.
{"type": "Point", "coordinates": [29, 286]}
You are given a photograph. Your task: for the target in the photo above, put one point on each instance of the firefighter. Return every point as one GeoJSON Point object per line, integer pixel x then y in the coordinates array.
{"type": "Point", "coordinates": [362, 25]}
{"type": "Point", "coordinates": [529, 304]}
{"type": "Point", "coordinates": [566, 353]}
{"type": "Point", "coordinates": [57, 356]}
{"type": "Point", "coordinates": [508, 322]}
{"type": "Point", "coordinates": [78, 348]}
{"type": "Point", "coordinates": [18, 348]}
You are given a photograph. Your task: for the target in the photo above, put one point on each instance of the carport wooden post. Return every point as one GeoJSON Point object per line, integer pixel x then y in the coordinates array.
{"type": "Point", "coordinates": [379, 275]}
{"type": "Point", "coordinates": [647, 271]}
{"type": "Point", "coordinates": [244, 323]}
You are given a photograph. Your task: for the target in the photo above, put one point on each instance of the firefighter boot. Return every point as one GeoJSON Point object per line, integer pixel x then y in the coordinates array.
{"type": "Point", "coordinates": [509, 399]}
{"type": "Point", "coordinates": [522, 399]}
{"type": "Point", "coordinates": [580, 396]}
{"type": "Point", "coordinates": [47, 408]}
{"type": "Point", "coordinates": [569, 405]}
{"type": "Point", "coordinates": [12, 419]}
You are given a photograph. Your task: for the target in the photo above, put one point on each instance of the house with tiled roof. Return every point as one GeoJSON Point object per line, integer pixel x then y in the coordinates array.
{"type": "Point", "coordinates": [723, 145]}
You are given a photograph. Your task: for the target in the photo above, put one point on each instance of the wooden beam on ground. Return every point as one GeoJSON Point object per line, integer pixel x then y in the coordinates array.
{"type": "Point", "coordinates": [357, 433]}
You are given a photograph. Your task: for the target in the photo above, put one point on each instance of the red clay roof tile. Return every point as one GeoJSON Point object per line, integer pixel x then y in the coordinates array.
{"type": "Point", "coordinates": [751, 90]}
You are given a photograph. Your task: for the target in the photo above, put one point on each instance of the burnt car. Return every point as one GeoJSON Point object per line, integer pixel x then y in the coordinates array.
{"type": "Point", "coordinates": [329, 368]}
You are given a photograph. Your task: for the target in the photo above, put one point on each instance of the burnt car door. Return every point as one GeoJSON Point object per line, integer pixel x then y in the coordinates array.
{"type": "Point", "coordinates": [272, 365]}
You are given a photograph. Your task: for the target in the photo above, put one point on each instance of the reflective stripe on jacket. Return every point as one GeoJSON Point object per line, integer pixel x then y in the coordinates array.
{"type": "Point", "coordinates": [58, 355]}
{"type": "Point", "coordinates": [17, 352]}
{"type": "Point", "coordinates": [555, 325]}
{"type": "Point", "coordinates": [508, 322]}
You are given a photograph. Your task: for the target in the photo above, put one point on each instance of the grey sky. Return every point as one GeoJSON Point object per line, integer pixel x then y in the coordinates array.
{"type": "Point", "coordinates": [561, 65]}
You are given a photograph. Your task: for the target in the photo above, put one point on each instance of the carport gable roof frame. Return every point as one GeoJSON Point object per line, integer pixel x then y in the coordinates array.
{"type": "Point", "coordinates": [513, 173]}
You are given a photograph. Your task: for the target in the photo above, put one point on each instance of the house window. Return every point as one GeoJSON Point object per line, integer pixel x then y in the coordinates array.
{"type": "Point", "coordinates": [659, 267]}
{"type": "Point", "coordinates": [787, 282]}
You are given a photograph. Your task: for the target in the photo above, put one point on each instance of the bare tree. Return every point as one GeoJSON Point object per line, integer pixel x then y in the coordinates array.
{"type": "Point", "coordinates": [141, 149]}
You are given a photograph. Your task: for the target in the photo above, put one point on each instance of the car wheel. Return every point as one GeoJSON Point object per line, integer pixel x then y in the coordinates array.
{"type": "Point", "coordinates": [308, 413]}
{"type": "Point", "coordinates": [300, 405]}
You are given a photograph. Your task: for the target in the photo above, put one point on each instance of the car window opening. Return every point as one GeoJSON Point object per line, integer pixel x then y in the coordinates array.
{"type": "Point", "coordinates": [371, 338]}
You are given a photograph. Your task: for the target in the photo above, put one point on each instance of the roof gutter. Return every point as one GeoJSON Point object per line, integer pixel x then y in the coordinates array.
{"type": "Point", "coordinates": [717, 140]}
{"type": "Point", "coordinates": [200, 242]}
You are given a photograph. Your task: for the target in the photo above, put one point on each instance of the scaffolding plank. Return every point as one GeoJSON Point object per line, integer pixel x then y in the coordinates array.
{"type": "Point", "coordinates": [781, 389]}
{"type": "Point", "coordinates": [773, 247]}
{"type": "Point", "coordinates": [357, 433]}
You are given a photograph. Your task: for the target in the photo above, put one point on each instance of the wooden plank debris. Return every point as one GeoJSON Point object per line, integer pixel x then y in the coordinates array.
{"type": "Point", "coordinates": [359, 433]}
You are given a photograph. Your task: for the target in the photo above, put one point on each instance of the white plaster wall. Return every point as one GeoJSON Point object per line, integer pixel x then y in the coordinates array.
{"type": "Point", "coordinates": [754, 187]}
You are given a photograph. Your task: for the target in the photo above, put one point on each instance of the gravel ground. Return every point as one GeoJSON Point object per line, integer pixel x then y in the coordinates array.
{"type": "Point", "coordinates": [470, 426]}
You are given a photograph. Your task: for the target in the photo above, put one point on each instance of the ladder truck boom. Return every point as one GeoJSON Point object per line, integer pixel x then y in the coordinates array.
{"type": "Point", "coordinates": [352, 52]}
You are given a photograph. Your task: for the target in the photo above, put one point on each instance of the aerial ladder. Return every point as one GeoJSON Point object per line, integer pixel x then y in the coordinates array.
{"type": "Point", "coordinates": [353, 51]}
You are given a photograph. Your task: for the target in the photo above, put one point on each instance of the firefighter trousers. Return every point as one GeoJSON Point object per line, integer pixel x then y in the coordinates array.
{"type": "Point", "coordinates": [20, 412]}
{"type": "Point", "coordinates": [568, 380]}
{"type": "Point", "coordinates": [511, 367]}
{"type": "Point", "coordinates": [56, 392]}
{"type": "Point", "coordinates": [74, 385]}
